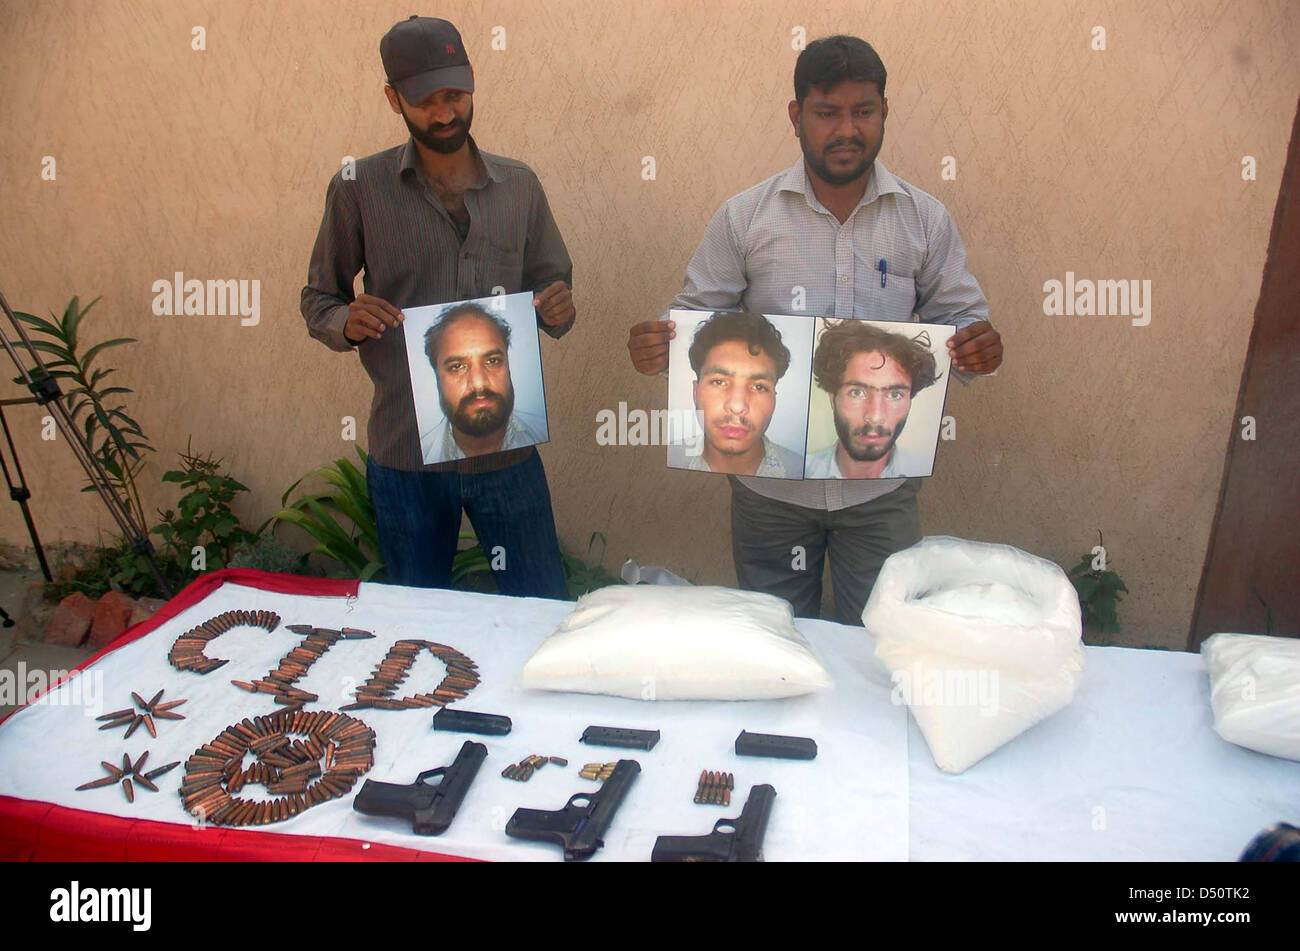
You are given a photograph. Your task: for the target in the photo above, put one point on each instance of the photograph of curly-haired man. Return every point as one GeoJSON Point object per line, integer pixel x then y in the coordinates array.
{"type": "Point", "coordinates": [877, 399]}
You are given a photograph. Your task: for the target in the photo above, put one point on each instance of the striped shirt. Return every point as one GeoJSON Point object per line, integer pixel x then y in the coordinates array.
{"type": "Point", "coordinates": [389, 221]}
{"type": "Point", "coordinates": [775, 247]}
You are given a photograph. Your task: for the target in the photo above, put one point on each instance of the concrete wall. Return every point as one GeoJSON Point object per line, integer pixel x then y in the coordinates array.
{"type": "Point", "coordinates": [1123, 163]}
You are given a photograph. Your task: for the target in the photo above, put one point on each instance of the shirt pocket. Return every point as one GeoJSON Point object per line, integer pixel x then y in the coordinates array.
{"type": "Point", "coordinates": [504, 265]}
{"type": "Point", "coordinates": [896, 300]}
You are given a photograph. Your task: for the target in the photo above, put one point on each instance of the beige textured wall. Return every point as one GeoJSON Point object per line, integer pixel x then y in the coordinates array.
{"type": "Point", "coordinates": [1115, 164]}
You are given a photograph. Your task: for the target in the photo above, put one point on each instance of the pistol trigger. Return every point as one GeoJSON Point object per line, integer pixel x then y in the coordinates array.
{"type": "Point", "coordinates": [440, 771]}
{"type": "Point", "coordinates": [725, 826]}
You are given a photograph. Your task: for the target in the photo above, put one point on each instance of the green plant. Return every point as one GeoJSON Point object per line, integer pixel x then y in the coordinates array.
{"type": "Point", "coordinates": [203, 516]}
{"type": "Point", "coordinates": [354, 542]}
{"type": "Point", "coordinates": [1099, 589]}
{"type": "Point", "coordinates": [118, 567]}
{"type": "Point", "coordinates": [355, 547]}
{"type": "Point", "coordinates": [470, 566]}
{"type": "Point", "coordinates": [115, 439]}
{"type": "Point", "coordinates": [582, 577]}
{"type": "Point", "coordinates": [270, 554]}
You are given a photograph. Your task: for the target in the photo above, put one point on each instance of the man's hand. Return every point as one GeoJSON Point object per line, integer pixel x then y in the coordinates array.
{"type": "Point", "coordinates": [368, 316]}
{"type": "Point", "coordinates": [647, 344]}
{"type": "Point", "coordinates": [555, 305]}
{"type": "Point", "coordinates": [976, 348]}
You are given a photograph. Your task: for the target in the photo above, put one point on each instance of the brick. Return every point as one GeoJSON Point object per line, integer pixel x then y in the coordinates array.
{"type": "Point", "coordinates": [71, 622]}
{"type": "Point", "coordinates": [112, 616]}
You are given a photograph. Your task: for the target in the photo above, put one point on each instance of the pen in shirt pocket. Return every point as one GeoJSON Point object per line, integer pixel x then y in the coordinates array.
{"type": "Point", "coordinates": [883, 268]}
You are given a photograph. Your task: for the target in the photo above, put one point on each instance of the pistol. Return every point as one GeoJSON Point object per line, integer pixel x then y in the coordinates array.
{"type": "Point", "coordinates": [732, 840]}
{"type": "Point", "coordinates": [578, 829]}
{"type": "Point", "coordinates": [429, 808]}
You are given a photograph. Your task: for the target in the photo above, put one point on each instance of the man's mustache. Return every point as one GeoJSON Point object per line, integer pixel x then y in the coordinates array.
{"type": "Point", "coordinates": [736, 421]}
{"type": "Point", "coordinates": [840, 143]}
{"type": "Point", "coordinates": [872, 431]}
{"type": "Point", "coordinates": [480, 395]}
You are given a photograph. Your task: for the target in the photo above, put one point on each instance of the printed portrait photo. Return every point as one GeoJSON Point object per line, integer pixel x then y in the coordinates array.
{"type": "Point", "coordinates": [737, 393]}
{"type": "Point", "coordinates": [876, 399]}
{"type": "Point", "coordinates": [476, 376]}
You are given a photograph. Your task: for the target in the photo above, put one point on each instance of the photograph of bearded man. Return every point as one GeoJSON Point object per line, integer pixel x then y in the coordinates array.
{"type": "Point", "coordinates": [486, 374]}
{"type": "Point", "coordinates": [867, 377]}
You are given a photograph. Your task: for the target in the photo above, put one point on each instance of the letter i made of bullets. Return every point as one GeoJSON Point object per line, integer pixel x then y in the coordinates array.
{"type": "Point", "coordinates": [524, 769]}
{"type": "Point", "coordinates": [715, 788]}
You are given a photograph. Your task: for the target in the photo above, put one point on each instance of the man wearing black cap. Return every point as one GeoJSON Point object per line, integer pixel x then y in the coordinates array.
{"type": "Point", "coordinates": [431, 221]}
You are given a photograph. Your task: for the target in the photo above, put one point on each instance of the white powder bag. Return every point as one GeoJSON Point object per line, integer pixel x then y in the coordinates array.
{"type": "Point", "coordinates": [676, 642]}
{"type": "Point", "coordinates": [1255, 691]}
{"type": "Point", "coordinates": [982, 641]}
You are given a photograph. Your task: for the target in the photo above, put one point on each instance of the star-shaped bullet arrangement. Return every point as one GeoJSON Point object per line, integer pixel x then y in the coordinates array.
{"type": "Point", "coordinates": [128, 772]}
{"type": "Point", "coordinates": [153, 710]}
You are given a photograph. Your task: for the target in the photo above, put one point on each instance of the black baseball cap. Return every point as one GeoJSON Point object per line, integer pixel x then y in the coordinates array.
{"type": "Point", "coordinates": [422, 55]}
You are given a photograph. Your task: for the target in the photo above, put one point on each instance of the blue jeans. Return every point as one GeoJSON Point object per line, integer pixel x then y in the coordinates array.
{"type": "Point", "coordinates": [418, 515]}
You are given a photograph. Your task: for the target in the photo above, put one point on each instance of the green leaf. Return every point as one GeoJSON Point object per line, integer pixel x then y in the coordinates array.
{"type": "Point", "coordinates": [65, 356]}
{"type": "Point", "coordinates": [98, 348]}
{"type": "Point", "coordinates": [355, 481]}
{"type": "Point", "coordinates": [41, 324]}
{"type": "Point", "coordinates": [72, 318]}
{"type": "Point", "coordinates": [1086, 586]}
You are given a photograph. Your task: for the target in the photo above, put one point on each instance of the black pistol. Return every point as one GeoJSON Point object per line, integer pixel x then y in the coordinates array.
{"type": "Point", "coordinates": [578, 829]}
{"type": "Point", "coordinates": [743, 843]}
{"type": "Point", "coordinates": [429, 809]}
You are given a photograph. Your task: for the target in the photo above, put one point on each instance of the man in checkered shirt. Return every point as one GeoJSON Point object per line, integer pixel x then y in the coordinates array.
{"type": "Point", "coordinates": [835, 235]}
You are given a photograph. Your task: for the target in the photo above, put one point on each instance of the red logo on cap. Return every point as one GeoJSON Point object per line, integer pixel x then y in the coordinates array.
{"type": "Point", "coordinates": [451, 50]}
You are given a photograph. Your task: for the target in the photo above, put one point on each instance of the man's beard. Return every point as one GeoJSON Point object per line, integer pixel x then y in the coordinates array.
{"type": "Point", "coordinates": [483, 421]}
{"type": "Point", "coordinates": [819, 166]}
{"type": "Point", "coordinates": [444, 144]}
{"type": "Point", "coordinates": [870, 453]}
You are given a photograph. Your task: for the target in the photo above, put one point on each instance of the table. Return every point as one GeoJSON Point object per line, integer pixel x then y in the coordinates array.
{"type": "Point", "coordinates": [1131, 770]}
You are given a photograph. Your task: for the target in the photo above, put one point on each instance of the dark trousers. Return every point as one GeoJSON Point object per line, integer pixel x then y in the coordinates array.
{"type": "Point", "coordinates": [418, 515]}
{"type": "Point", "coordinates": [780, 548]}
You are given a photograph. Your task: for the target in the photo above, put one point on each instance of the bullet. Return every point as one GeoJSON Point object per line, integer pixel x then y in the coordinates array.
{"type": "Point", "coordinates": [97, 783]}
{"type": "Point", "coordinates": [159, 771]}
{"type": "Point", "coordinates": [223, 815]}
